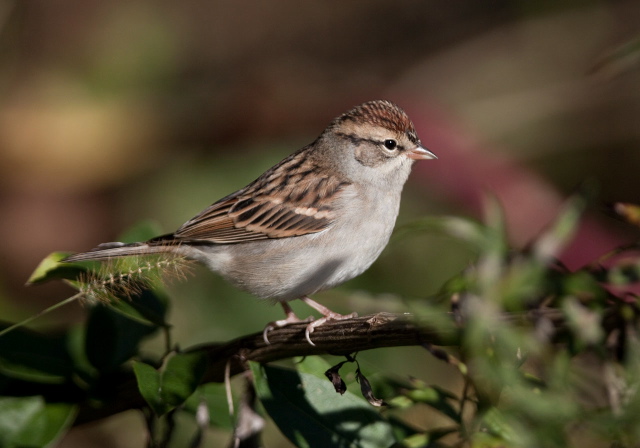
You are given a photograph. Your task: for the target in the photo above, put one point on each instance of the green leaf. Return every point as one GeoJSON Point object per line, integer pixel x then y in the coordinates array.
{"type": "Point", "coordinates": [15, 414]}
{"type": "Point", "coordinates": [310, 413]}
{"type": "Point", "coordinates": [437, 398]}
{"type": "Point", "coordinates": [30, 356]}
{"type": "Point", "coordinates": [181, 377]}
{"type": "Point", "coordinates": [29, 422]}
{"type": "Point", "coordinates": [556, 238]}
{"type": "Point", "coordinates": [171, 386]}
{"type": "Point", "coordinates": [112, 338]}
{"type": "Point", "coordinates": [427, 439]}
{"type": "Point", "coordinates": [495, 226]}
{"type": "Point", "coordinates": [148, 379]}
{"type": "Point", "coordinates": [319, 367]}
{"type": "Point", "coordinates": [490, 265]}
{"type": "Point", "coordinates": [147, 307]}
{"type": "Point", "coordinates": [624, 272]}
{"type": "Point", "coordinates": [584, 286]}
{"type": "Point", "coordinates": [51, 267]}
{"type": "Point", "coordinates": [500, 431]}
{"type": "Point", "coordinates": [215, 397]}
{"type": "Point", "coordinates": [314, 365]}
{"type": "Point", "coordinates": [76, 348]}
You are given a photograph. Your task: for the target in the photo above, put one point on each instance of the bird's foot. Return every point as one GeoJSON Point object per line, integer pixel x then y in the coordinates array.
{"type": "Point", "coordinates": [326, 318]}
{"type": "Point", "coordinates": [327, 314]}
{"type": "Point", "coordinates": [290, 319]}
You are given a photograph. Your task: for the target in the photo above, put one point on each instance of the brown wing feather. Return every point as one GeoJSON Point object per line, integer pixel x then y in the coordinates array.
{"type": "Point", "coordinates": [293, 198]}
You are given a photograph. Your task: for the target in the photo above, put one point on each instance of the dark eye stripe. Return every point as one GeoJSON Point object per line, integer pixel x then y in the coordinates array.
{"type": "Point", "coordinates": [359, 140]}
{"type": "Point", "coordinates": [355, 139]}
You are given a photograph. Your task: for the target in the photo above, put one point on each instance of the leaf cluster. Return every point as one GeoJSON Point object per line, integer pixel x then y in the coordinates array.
{"type": "Point", "coordinates": [545, 356]}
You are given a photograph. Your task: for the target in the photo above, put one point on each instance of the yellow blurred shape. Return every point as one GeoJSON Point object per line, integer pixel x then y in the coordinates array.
{"type": "Point", "coordinates": [56, 136]}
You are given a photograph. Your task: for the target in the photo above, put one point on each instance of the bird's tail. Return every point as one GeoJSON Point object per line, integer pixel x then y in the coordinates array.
{"type": "Point", "coordinates": [108, 251]}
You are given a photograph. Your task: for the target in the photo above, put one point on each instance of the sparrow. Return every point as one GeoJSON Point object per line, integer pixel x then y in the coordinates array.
{"type": "Point", "coordinates": [318, 218]}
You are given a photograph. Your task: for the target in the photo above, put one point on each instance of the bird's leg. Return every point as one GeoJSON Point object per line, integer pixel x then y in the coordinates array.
{"type": "Point", "coordinates": [327, 316]}
{"type": "Point", "coordinates": [290, 319]}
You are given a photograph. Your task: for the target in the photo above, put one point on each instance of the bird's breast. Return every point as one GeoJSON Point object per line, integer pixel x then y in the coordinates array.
{"type": "Point", "coordinates": [288, 268]}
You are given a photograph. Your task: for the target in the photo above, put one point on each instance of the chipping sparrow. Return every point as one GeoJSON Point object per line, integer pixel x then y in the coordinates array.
{"type": "Point", "coordinates": [315, 220]}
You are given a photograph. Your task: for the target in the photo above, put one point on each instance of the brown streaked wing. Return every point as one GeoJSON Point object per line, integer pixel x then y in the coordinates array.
{"type": "Point", "coordinates": [274, 206]}
{"type": "Point", "coordinates": [214, 223]}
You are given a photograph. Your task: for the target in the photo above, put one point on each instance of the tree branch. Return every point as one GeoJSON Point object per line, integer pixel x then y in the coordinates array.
{"type": "Point", "coordinates": [334, 337]}
{"type": "Point", "coordinates": [341, 337]}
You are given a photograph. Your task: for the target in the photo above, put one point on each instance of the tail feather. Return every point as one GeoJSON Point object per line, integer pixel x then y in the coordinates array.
{"type": "Point", "coordinates": [108, 251]}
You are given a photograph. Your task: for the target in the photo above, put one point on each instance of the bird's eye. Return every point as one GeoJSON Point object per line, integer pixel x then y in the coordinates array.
{"type": "Point", "coordinates": [390, 144]}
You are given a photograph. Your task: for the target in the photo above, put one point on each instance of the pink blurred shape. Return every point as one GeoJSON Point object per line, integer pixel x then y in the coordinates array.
{"type": "Point", "coordinates": [467, 171]}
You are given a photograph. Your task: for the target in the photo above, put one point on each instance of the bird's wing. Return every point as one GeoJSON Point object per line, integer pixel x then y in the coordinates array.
{"type": "Point", "coordinates": [293, 198]}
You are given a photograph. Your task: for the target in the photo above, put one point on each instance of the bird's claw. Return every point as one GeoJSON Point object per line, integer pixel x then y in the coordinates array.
{"type": "Point", "coordinates": [291, 319]}
{"type": "Point", "coordinates": [328, 317]}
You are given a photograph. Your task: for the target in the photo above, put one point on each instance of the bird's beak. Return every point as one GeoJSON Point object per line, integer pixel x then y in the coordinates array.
{"type": "Point", "coordinates": [420, 153]}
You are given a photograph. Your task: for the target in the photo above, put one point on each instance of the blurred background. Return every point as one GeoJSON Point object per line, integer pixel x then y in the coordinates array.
{"type": "Point", "coordinates": [122, 111]}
